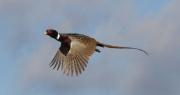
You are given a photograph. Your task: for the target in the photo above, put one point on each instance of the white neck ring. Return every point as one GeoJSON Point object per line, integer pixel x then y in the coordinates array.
{"type": "Point", "coordinates": [58, 36]}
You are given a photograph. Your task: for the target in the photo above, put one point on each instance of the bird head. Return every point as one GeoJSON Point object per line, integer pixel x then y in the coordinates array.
{"type": "Point", "coordinates": [52, 33]}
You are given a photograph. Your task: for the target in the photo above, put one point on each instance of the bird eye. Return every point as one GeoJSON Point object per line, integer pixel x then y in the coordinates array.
{"type": "Point", "coordinates": [49, 32]}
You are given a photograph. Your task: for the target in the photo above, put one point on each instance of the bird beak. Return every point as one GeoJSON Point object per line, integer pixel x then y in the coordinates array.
{"type": "Point", "coordinates": [45, 33]}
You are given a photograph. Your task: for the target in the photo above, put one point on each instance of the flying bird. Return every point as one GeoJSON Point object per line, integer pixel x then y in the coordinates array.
{"type": "Point", "coordinates": [75, 50]}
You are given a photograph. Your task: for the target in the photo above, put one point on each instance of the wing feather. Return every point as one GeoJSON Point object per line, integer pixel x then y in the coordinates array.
{"type": "Point", "coordinates": [80, 63]}
{"type": "Point", "coordinates": [53, 61]}
{"type": "Point", "coordinates": [76, 59]}
{"type": "Point", "coordinates": [72, 68]}
{"type": "Point", "coordinates": [70, 64]}
{"type": "Point", "coordinates": [59, 62]}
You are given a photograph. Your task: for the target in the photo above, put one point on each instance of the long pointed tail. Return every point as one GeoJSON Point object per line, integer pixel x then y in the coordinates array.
{"type": "Point", "coordinates": [120, 47]}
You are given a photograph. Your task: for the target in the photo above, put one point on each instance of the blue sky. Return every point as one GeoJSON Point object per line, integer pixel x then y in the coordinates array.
{"type": "Point", "coordinates": [152, 25]}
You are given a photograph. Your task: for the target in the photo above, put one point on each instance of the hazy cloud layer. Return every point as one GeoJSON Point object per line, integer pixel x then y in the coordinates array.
{"type": "Point", "coordinates": [157, 75]}
{"type": "Point", "coordinates": [113, 72]}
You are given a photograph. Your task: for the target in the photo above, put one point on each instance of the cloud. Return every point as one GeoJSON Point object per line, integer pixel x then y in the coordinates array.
{"type": "Point", "coordinates": [161, 32]}
{"type": "Point", "coordinates": [111, 72]}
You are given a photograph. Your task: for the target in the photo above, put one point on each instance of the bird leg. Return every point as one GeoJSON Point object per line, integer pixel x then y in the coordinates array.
{"type": "Point", "coordinates": [97, 50]}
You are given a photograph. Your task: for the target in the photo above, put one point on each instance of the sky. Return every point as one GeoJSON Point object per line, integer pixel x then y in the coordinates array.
{"type": "Point", "coordinates": [152, 25]}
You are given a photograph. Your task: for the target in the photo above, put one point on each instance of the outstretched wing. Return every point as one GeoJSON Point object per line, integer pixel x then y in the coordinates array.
{"type": "Point", "coordinates": [70, 64]}
{"type": "Point", "coordinates": [72, 58]}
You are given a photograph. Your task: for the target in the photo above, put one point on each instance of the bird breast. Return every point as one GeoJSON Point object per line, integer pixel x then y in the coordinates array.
{"type": "Point", "coordinates": [64, 38]}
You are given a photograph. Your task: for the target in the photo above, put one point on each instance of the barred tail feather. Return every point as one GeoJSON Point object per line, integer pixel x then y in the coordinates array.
{"type": "Point", "coordinates": [120, 47]}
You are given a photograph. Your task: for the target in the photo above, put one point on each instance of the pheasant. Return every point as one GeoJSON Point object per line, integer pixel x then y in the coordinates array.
{"type": "Point", "coordinates": [73, 55]}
